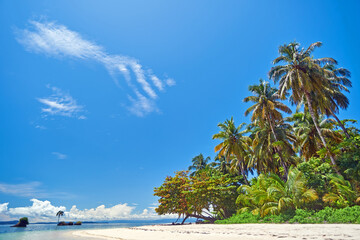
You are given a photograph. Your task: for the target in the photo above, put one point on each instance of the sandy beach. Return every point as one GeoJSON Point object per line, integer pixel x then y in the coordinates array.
{"type": "Point", "coordinates": [229, 232]}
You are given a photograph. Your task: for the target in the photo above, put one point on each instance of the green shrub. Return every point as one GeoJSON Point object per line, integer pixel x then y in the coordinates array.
{"type": "Point", "coordinates": [304, 216]}
{"type": "Point", "coordinates": [245, 217]}
{"type": "Point", "coordinates": [327, 215]}
{"type": "Point", "coordinates": [323, 215]}
{"type": "Point", "coordinates": [345, 215]}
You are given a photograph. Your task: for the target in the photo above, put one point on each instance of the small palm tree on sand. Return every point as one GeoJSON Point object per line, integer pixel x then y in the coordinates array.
{"type": "Point", "coordinates": [59, 214]}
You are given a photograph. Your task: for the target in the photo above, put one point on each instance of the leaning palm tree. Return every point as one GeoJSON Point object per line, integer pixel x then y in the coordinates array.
{"type": "Point", "coordinates": [59, 214]}
{"type": "Point", "coordinates": [198, 163]}
{"type": "Point", "coordinates": [266, 109]}
{"type": "Point", "coordinates": [234, 143]}
{"type": "Point", "coordinates": [304, 76]}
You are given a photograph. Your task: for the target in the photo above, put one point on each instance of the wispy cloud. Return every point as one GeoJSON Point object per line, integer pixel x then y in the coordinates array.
{"type": "Point", "coordinates": [31, 190]}
{"type": "Point", "coordinates": [62, 104]}
{"type": "Point", "coordinates": [59, 156]}
{"type": "Point", "coordinates": [23, 190]}
{"type": "Point", "coordinates": [45, 211]}
{"type": "Point", "coordinates": [57, 40]}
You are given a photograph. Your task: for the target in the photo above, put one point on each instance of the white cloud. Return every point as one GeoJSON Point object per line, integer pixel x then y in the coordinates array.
{"type": "Point", "coordinates": [45, 211]}
{"type": "Point", "coordinates": [3, 207]}
{"type": "Point", "coordinates": [39, 210]}
{"type": "Point", "coordinates": [62, 104]}
{"type": "Point", "coordinates": [170, 82]}
{"type": "Point", "coordinates": [57, 40]}
{"type": "Point", "coordinates": [59, 156]}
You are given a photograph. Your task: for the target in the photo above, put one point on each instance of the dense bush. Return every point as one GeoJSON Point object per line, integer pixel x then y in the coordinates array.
{"type": "Point", "coordinates": [327, 215]}
{"type": "Point", "coordinates": [245, 217]}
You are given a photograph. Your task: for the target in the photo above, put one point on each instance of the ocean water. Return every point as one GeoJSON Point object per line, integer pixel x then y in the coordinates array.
{"type": "Point", "coordinates": [53, 232]}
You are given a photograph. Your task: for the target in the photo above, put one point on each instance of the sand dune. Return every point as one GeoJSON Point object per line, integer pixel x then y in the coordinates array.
{"type": "Point", "coordinates": [229, 232]}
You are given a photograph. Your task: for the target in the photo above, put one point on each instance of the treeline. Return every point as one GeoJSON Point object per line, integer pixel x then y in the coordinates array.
{"type": "Point", "coordinates": [307, 160]}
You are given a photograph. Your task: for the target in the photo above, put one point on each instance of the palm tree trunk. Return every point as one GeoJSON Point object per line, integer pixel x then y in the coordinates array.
{"type": "Point", "coordinates": [277, 150]}
{"type": "Point", "coordinates": [340, 123]}
{"type": "Point", "coordinates": [312, 113]}
{"type": "Point", "coordinates": [242, 172]}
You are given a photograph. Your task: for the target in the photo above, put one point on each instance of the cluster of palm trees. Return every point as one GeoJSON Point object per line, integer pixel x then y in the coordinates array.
{"type": "Point", "coordinates": [272, 143]}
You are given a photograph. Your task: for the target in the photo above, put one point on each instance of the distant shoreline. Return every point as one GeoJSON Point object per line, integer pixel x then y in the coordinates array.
{"type": "Point", "coordinates": [228, 232]}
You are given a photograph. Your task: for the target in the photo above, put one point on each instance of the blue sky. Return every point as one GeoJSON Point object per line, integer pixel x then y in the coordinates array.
{"type": "Point", "coordinates": [101, 100]}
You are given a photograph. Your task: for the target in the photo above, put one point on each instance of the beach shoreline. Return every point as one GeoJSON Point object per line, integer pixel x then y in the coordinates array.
{"type": "Point", "coordinates": [227, 232]}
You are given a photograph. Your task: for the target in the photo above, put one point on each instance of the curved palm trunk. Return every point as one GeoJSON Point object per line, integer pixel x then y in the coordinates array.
{"type": "Point", "coordinates": [277, 150]}
{"type": "Point", "coordinates": [312, 113]}
{"type": "Point", "coordinates": [340, 123]}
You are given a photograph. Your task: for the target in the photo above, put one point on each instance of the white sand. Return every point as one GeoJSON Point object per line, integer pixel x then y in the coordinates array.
{"type": "Point", "coordinates": [229, 232]}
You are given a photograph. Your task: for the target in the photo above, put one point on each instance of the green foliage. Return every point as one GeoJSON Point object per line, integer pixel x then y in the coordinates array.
{"type": "Point", "coordinates": [271, 195]}
{"type": "Point", "coordinates": [349, 159]}
{"type": "Point", "coordinates": [24, 220]}
{"type": "Point", "coordinates": [345, 215]}
{"type": "Point", "coordinates": [303, 216]}
{"type": "Point", "coordinates": [208, 195]}
{"type": "Point", "coordinates": [245, 217]}
{"type": "Point", "coordinates": [327, 215]}
{"type": "Point", "coordinates": [316, 172]}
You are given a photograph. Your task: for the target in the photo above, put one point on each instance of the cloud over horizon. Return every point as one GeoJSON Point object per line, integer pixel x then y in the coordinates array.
{"type": "Point", "coordinates": [45, 211]}
{"type": "Point", "coordinates": [57, 40]}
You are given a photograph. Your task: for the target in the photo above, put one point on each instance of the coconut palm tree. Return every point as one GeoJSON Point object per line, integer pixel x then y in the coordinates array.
{"type": "Point", "coordinates": [266, 158]}
{"type": "Point", "coordinates": [234, 143]}
{"type": "Point", "coordinates": [271, 195]}
{"type": "Point", "coordinates": [221, 164]}
{"type": "Point", "coordinates": [308, 140]}
{"type": "Point", "coordinates": [59, 214]}
{"type": "Point", "coordinates": [339, 81]}
{"type": "Point", "coordinates": [341, 194]}
{"type": "Point", "coordinates": [292, 194]}
{"type": "Point", "coordinates": [304, 76]}
{"type": "Point", "coordinates": [266, 109]}
{"type": "Point", "coordinates": [198, 163]}
{"type": "Point", "coordinates": [252, 198]}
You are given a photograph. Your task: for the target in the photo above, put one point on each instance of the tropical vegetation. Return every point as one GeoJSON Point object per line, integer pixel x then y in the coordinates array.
{"type": "Point", "coordinates": [295, 161]}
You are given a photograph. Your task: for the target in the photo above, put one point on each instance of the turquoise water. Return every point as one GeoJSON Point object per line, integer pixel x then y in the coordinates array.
{"type": "Point", "coordinates": [53, 232]}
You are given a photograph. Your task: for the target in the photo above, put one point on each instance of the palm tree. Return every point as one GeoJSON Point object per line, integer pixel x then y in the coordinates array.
{"type": "Point", "coordinates": [198, 163]}
{"type": "Point", "coordinates": [303, 75]}
{"type": "Point", "coordinates": [59, 214]}
{"type": "Point", "coordinates": [339, 81]}
{"type": "Point", "coordinates": [271, 195]}
{"type": "Point", "coordinates": [308, 140]}
{"type": "Point", "coordinates": [290, 194]}
{"type": "Point", "coordinates": [252, 198]}
{"type": "Point", "coordinates": [341, 194]}
{"type": "Point", "coordinates": [266, 148]}
{"type": "Point", "coordinates": [267, 109]}
{"type": "Point", "coordinates": [234, 143]}
{"type": "Point", "coordinates": [221, 164]}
